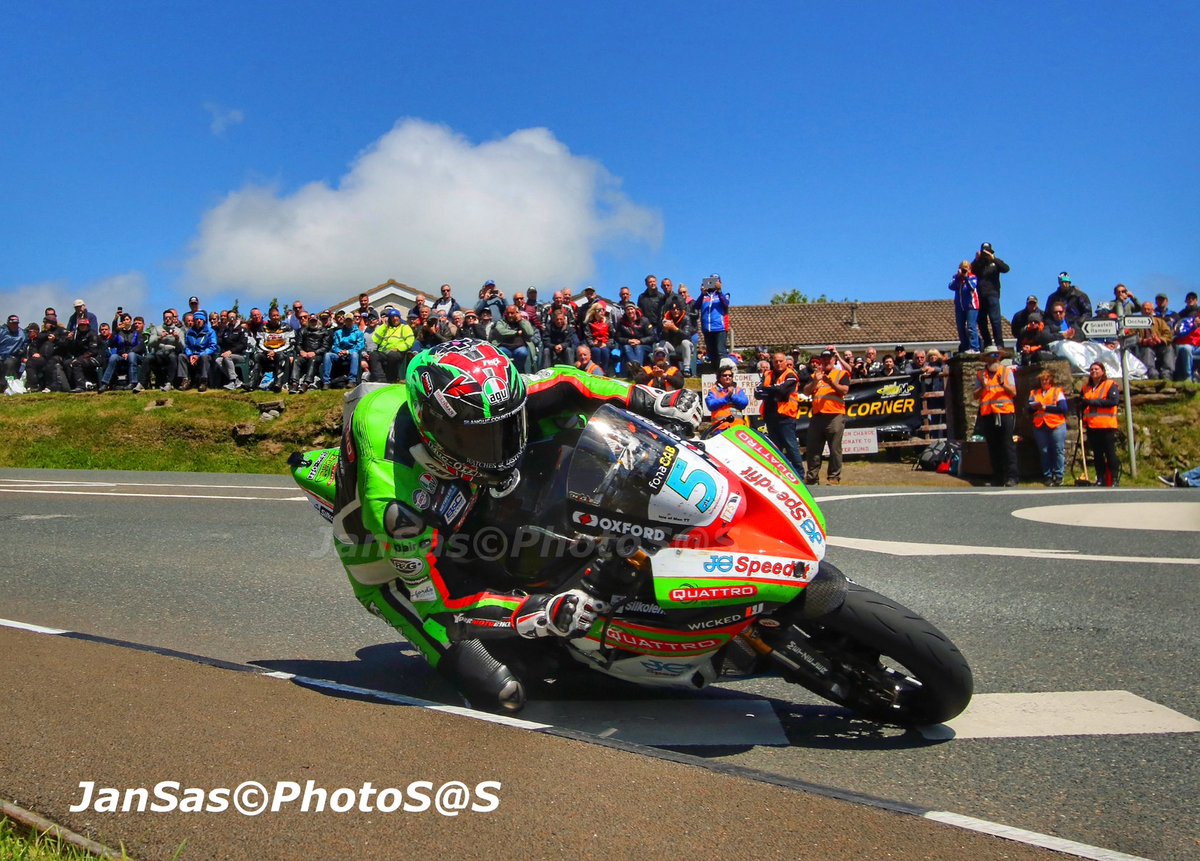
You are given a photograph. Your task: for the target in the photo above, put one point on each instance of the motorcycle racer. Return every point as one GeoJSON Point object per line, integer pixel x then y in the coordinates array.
{"type": "Point", "coordinates": [414, 462]}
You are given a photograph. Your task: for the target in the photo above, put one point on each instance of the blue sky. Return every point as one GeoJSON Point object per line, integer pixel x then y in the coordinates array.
{"type": "Point", "coordinates": [263, 149]}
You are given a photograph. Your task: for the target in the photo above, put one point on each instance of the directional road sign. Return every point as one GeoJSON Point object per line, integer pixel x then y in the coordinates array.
{"type": "Point", "coordinates": [1137, 321]}
{"type": "Point", "coordinates": [1097, 329]}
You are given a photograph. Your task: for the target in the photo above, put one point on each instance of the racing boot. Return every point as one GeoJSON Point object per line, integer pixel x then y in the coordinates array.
{"type": "Point", "coordinates": [487, 683]}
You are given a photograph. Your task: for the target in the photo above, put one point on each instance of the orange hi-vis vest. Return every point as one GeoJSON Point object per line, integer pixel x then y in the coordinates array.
{"type": "Point", "coordinates": [993, 399]}
{"type": "Point", "coordinates": [723, 412]}
{"type": "Point", "coordinates": [790, 408]}
{"type": "Point", "coordinates": [825, 398]}
{"type": "Point", "coordinates": [1096, 417]}
{"type": "Point", "coordinates": [1048, 398]}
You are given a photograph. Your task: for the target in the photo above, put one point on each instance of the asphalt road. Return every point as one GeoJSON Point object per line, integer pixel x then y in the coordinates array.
{"type": "Point", "coordinates": [1043, 590]}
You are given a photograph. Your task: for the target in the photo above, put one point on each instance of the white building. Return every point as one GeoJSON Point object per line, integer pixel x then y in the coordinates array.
{"type": "Point", "coordinates": [389, 293]}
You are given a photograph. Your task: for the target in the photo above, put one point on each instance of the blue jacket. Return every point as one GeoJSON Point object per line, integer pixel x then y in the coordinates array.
{"type": "Point", "coordinates": [738, 399]}
{"type": "Point", "coordinates": [202, 343]}
{"type": "Point", "coordinates": [118, 344]}
{"type": "Point", "coordinates": [714, 311]}
{"type": "Point", "coordinates": [966, 292]}
{"type": "Point", "coordinates": [12, 345]}
{"type": "Point", "coordinates": [352, 343]}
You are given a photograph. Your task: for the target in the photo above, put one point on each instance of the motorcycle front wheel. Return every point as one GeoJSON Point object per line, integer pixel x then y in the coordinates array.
{"type": "Point", "coordinates": [878, 658]}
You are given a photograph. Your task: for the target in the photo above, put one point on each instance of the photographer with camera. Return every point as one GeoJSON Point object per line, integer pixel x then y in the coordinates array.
{"type": "Point", "coordinates": [491, 299]}
{"type": "Point", "coordinates": [714, 318]}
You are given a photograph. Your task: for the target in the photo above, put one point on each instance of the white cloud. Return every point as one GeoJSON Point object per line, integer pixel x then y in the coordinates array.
{"type": "Point", "coordinates": [424, 206]}
{"type": "Point", "coordinates": [222, 118]}
{"type": "Point", "coordinates": [29, 301]}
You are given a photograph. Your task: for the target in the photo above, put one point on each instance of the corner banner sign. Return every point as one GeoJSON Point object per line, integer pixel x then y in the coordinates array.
{"type": "Point", "coordinates": [887, 403]}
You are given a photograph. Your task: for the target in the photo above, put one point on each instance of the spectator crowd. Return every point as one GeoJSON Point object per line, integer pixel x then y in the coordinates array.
{"type": "Point", "coordinates": [1170, 348]}
{"type": "Point", "coordinates": [660, 337]}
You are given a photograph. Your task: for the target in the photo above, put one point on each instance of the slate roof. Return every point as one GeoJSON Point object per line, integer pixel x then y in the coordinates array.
{"type": "Point", "coordinates": [883, 324]}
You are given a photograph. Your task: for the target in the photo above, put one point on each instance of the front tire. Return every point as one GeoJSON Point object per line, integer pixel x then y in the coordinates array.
{"type": "Point", "coordinates": [877, 657]}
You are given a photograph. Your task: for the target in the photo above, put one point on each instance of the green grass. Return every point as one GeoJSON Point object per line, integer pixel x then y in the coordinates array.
{"type": "Point", "coordinates": [16, 844]}
{"type": "Point", "coordinates": [192, 432]}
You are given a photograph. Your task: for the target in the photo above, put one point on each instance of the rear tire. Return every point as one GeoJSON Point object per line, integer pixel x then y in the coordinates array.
{"type": "Point", "coordinates": [883, 661]}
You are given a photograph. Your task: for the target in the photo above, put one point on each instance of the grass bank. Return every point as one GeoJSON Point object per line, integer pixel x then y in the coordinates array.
{"type": "Point", "coordinates": [175, 431]}
{"type": "Point", "coordinates": [226, 432]}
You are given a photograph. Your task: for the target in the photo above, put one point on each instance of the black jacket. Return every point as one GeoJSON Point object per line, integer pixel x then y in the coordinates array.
{"type": "Point", "coordinates": [234, 340]}
{"type": "Point", "coordinates": [628, 330]}
{"type": "Point", "coordinates": [313, 340]}
{"type": "Point", "coordinates": [650, 304]}
{"type": "Point", "coordinates": [52, 342]}
{"type": "Point", "coordinates": [987, 273]}
{"type": "Point", "coordinates": [83, 345]}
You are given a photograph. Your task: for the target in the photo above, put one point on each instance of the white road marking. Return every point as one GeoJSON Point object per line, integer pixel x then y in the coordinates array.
{"type": "Point", "coordinates": [667, 723]}
{"type": "Point", "coordinates": [1031, 838]}
{"type": "Point", "coordinates": [994, 491]}
{"type": "Point", "coordinates": [153, 495]}
{"type": "Point", "coordinates": [913, 548]}
{"type": "Point", "coordinates": [1171, 516]}
{"type": "Point", "coordinates": [25, 626]}
{"type": "Point", "coordinates": [44, 516]}
{"type": "Point", "coordinates": [1062, 713]}
{"type": "Point", "coordinates": [36, 482]}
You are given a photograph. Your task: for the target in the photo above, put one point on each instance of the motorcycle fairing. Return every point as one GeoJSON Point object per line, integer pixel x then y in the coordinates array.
{"type": "Point", "coordinates": [687, 578]}
{"type": "Point", "coordinates": [316, 473]}
{"type": "Point", "coordinates": [780, 512]}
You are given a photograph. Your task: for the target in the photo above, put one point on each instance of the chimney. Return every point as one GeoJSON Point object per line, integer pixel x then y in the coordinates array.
{"type": "Point", "coordinates": [854, 315]}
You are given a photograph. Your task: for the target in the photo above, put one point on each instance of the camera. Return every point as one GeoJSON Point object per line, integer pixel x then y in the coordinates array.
{"type": "Point", "coordinates": [708, 285]}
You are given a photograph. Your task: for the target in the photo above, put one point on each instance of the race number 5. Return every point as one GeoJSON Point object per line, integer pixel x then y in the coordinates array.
{"type": "Point", "coordinates": [685, 485]}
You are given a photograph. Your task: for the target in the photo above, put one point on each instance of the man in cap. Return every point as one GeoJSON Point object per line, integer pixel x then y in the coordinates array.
{"type": "Point", "coordinates": [1076, 304]}
{"type": "Point", "coordinates": [13, 342]}
{"type": "Point", "coordinates": [1021, 318]}
{"type": "Point", "coordinates": [393, 341]}
{"type": "Point", "coordinates": [81, 357]}
{"type": "Point", "coordinates": [194, 308]}
{"type": "Point", "coordinates": [828, 389]}
{"type": "Point", "coordinates": [199, 347]}
{"type": "Point", "coordinates": [1162, 309]}
{"type": "Point", "coordinates": [987, 269]}
{"type": "Point", "coordinates": [660, 373]}
{"type": "Point", "coordinates": [583, 305]}
{"type": "Point", "coordinates": [996, 390]}
{"type": "Point", "coordinates": [81, 312]}
{"type": "Point", "coordinates": [490, 298]}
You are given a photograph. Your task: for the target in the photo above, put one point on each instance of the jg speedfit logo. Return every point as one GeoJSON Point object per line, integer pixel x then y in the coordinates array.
{"type": "Point", "coordinates": [750, 566]}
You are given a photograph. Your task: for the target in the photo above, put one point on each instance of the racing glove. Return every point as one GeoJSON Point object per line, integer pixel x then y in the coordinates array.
{"type": "Point", "coordinates": [567, 614]}
{"type": "Point", "coordinates": [681, 407]}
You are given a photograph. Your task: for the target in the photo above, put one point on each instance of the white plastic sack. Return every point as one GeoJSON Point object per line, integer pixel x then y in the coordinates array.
{"type": "Point", "coordinates": [1081, 356]}
{"type": "Point", "coordinates": [15, 386]}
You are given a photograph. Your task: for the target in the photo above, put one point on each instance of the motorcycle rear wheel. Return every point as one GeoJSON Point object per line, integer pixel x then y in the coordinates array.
{"type": "Point", "coordinates": [883, 661]}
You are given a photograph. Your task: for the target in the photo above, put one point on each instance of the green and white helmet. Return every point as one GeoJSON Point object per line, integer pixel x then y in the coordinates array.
{"type": "Point", "coordinates": [468, 403]}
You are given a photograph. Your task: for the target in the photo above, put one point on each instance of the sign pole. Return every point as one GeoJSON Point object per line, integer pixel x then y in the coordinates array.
{"type": "Point", "coordinates": [1128, 405]}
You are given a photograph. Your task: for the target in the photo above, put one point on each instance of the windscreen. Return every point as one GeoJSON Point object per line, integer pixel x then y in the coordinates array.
{"type": "Point", "coordinates": [627, 467]}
